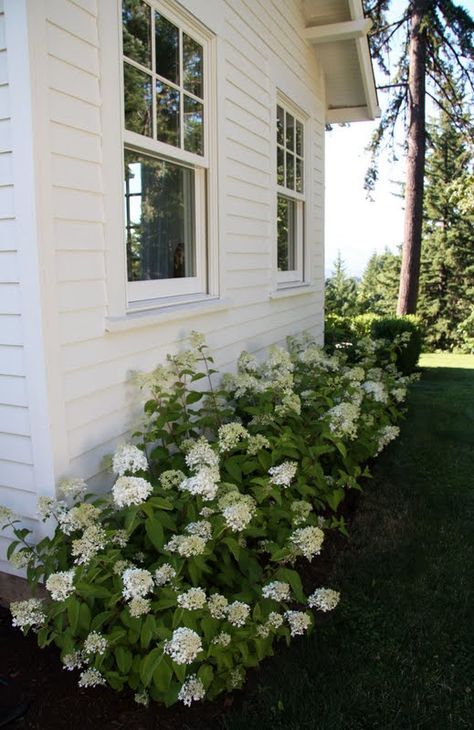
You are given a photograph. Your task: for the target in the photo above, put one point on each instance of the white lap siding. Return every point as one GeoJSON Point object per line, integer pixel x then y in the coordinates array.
{"type": "Point", "coordinates": [260, 49]}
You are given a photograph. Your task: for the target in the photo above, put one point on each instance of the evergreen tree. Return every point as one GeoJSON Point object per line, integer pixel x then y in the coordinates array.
{"type": "Point", "coordinates": [434, 59]}
{"type": "Point", "coordinates": [341, 290]}
{"type": "Point", "coordinates": [378, 288]}
{"type": "Point", "coordinates": [447, 265]}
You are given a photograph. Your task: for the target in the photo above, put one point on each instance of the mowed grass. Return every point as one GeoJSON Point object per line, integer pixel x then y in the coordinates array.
{"type": "Point", "coordinates": [399, 650]}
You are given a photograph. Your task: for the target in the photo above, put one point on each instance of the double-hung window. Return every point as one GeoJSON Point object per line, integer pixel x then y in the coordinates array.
{"type": "Point", "coordinates": [166, 150]}
{"type": "Point", "coordinates": [290, 153]}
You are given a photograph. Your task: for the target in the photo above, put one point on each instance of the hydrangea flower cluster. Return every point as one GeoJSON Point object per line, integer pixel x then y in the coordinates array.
{"type": "Point", "coordinates": [184, 646]}
{"type": "Point", "coordinates": [298, 621]}
{"type": "Point", "coordinates": [93, 540]}
{"type": "Point", "coordinates": [78, 518]}
{"type": "Point", "coordinates": [91, 678]}
{"type": "Point", "coordinates": [385, 435]}
{"type": "Point", "coordinates": [257, 443]}
{"type": "Point", "coordinates": [72, 488]}
{"type": "Point", "coordinates": [324, 599]}
{"type": "Point", "coordinates": [217, 605]}
{"type": "Point", "coordinates": [95, 643]}
{"type": "Point", "coordinates": [300, 511]}
{"type": "Point", "coordinates": [186, 545]}
{"type": "Point", "coordinates": [129, 458]}
{"type": "Point", "coordinates": [129, 491]}
{"type": "Point", "coordinates": [202, 528]}
{"type": "Point", "coordinates": [238, 613]}
{"type": "Point", "coordinates": [28, 614]}
{"type": "Point", "coordinates": [376, 390]}
{"type": "Point", "coordinates": [237, 510]}
{"type": "Point", "coordinates": [61, 585]}
{"type": "Point", "coordinates": [193, 599]}
{"type": "Point", "coordinates": [172, 478]}
{"type": "Point", "coordinates": [343, 420]}
{"type": "Point", "coordinates": [274, 621]}
{"type": "Point", "coordinates": [308, 541]}
{"type": "Point", "coordinates": [278, 590]}
{"type": "Point", "coordinates": [283, 475]}
{"type": "Point", "coordinates": [164, 574]}
{"type": "Point", "coordinates": [191, 691]}
{"type": "Point", "coordinates": [137, 583]}
{"type": "Point", "coordinates": [230, 435]}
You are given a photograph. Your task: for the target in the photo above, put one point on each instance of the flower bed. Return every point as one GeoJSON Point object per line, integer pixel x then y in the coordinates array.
{"type": "Point", "coordinates": [186, 574]}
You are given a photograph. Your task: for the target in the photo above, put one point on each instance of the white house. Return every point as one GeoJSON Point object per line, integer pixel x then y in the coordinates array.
{"type": "Point", "coordinates": [161, 170]}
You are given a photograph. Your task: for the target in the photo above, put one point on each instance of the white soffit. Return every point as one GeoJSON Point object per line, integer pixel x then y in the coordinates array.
{"type": "Point", "coordinates": [337, 30]}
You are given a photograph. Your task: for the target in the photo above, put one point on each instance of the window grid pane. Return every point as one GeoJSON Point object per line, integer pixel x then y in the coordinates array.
{"type": "Point", "coordinates": [290, 150]}
{"type": "Point", "coordinates": [286, 228]}
{"type": "Point", "coordinates": [176, 62]}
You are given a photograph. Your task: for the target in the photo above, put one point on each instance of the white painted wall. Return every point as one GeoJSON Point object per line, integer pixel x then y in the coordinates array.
{"type": "Point", "coordinates": [25, 447]}
{"type": "Point", "coordinates": [88, 350]}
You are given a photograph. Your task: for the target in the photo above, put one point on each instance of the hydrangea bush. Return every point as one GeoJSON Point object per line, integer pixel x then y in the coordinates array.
{"type": "Point", "coordinates": [186, 573]}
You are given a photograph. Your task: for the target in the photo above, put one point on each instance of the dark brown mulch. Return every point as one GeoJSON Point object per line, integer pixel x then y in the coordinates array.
{"type": "Point", "coordinates": [33, 683]}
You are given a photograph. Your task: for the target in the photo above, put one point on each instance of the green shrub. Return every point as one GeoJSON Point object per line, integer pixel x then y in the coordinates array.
{"type": "Point", "coordinates": [186, 574]}
{"type": "Point", "coordinates": [391, 328]}
{"type": "Point", "coordinates": [399, 336]}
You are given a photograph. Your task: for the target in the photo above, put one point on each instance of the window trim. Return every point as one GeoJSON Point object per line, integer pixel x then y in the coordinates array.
{"type": "Point", "coordinates": [298, 275]}
{"type": "Point", "coordinates": [139, 294]}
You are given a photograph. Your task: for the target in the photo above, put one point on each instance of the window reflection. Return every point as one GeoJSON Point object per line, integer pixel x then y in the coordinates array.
{"type": "Point", "coordinates": [138, 103]}
{"type": "Point", "coordinates": [136, 31]}
{"type": "Point", "coordinates": [286, 230]}
{"type": "Point", "coordinates": [167, 49]}
{"type": "Point", "coordinates": [159, 218]}
{"type": "Point", "coordinates": [192, 66]}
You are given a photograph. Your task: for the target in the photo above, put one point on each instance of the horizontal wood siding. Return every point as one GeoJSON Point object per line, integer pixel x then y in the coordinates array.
{"type": "Point", "coordinates": [261, 49]}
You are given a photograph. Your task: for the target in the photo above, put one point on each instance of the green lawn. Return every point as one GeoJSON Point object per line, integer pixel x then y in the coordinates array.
{"type": "Point", "coordinates": [399, 650]}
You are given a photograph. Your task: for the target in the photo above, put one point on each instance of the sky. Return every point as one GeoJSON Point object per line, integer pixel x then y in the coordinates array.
{"type": "Point", "coordinates": [355, 226]}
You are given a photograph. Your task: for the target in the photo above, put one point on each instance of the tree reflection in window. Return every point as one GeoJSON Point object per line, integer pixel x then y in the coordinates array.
{"type": "Point", "coordinates": [159, 218]}
{"type": "Point", "coordinates": [286, 231]}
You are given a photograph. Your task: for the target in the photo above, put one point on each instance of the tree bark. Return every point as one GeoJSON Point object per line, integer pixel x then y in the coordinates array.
{"type": "Point", "coordinates": [410, 270]}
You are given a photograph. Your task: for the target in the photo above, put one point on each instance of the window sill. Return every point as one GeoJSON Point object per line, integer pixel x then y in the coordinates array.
{"type": "Point", "coordinates": [157, 315]}
{"type": "Point", "coordinates": [293, 290]}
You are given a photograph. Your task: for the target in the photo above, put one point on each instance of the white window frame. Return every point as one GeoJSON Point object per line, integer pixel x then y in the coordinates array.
{"type": "Point", "coordinates": [286, 279]}
{"type": "Point", "coordinates": [160, 292]}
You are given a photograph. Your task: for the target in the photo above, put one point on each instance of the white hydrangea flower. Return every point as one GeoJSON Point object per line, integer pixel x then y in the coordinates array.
{"type": "Point", "coordinates": [164, 574]}
{"type": "Point", "coordinates": [324, 599]}
{"type": "Point", "coordinates": [49, 507]}
{"type": "Point", "coordinates": [399, 394]}
{"type": "Point", "coordinates": [61, 585]}
{"type": "Point", "coordinates": [217, 605]}
{"type": "Point", "coordinates": [283, 474]}
{"type": "Point", "coordinates": [237, 613]}
{"type": "Point", "coordinates": [73, 487]}
{"type": "Point", "coordinates": [121, 565]}
{"type": "Point", "coordinates": [298, 621]}
{"type": "Point", "coordinates": [278, 590]}
{"type": "Point", "coordinates": [203, 484]}
{"type": "Point", "coordinates": [343, 420]}
{"type": "Point", "coordinates": [92, 541]}
{"type": "Point", "coordinates": [137, 583]}
{"type": "Point", "coordinates": [6, 515]}
{"type": "Point", "coordinates": [76, 660]}
{"type": "Point", "coordinates": [27, 613]}
{"type": "Point", "coordinates": [142, 698]}
{"type": "Point", "coordinates": [290, 403]}
{"type": "Point", "coordinates": [129, 458]}
{"type": "Point", "coordinates": [203, 528]}
{"type": "Point", "coordinates": [308, 540]}
{"type": "Point", "coordinates": [247, 362]}
{"type": "Point", "coordinates": [207, 512]}
{"type": "Point", "coordinates": [186, 545]}
{"type": "Point", "coordinates": [236, 678]}
{"type": "Point", "coordinates": [120, 538]}
{"type": "Point", "coordinates": [139, 607]}
{"type": "Point", "coordinates": [192, 690]}
{"type": "Point", "coordinates": [230, 435]}
{"type": "Point", "coordinates": [300, 511]}
{"type": "Point", "coordinates": [355, 374]}
{"type": "Point", "coordinates": [91, 678]}
{"type": "Point", "coordinates": [375, 374]}
{"type": "Point", "coordinates": [78, 518]}
{"type": "Point", "coordinates": [275, 620]}
{"type": "Point", "coordinates": [376, 390]}
{"type": "Point", "coordinates": [128, 491]}
{"type": "Point", "coordinates": [237, 510]}
{"type": "Point", "coordinates": [222, 639]}
{"type": "Point", "coordinates": [193, 599]}
{"type": "Point", "coordinates": [386, 434]}
{"type": "Point", "coordinates": [184, 646]}
{"type": "Point", "coordinates": [257, 443]}
{"type": "Point", "coordinates": [22, 558]}
{"type": "Point", "coordinates": [201, 454]}
{"type": "Point", "coordinates": [95, 643]}
{"type": "Point", "coordinates": [172, 478]}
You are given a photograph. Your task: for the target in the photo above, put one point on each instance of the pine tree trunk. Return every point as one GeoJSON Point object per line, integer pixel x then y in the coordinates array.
{"type": "Point", "coordinates": [410, 271]}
